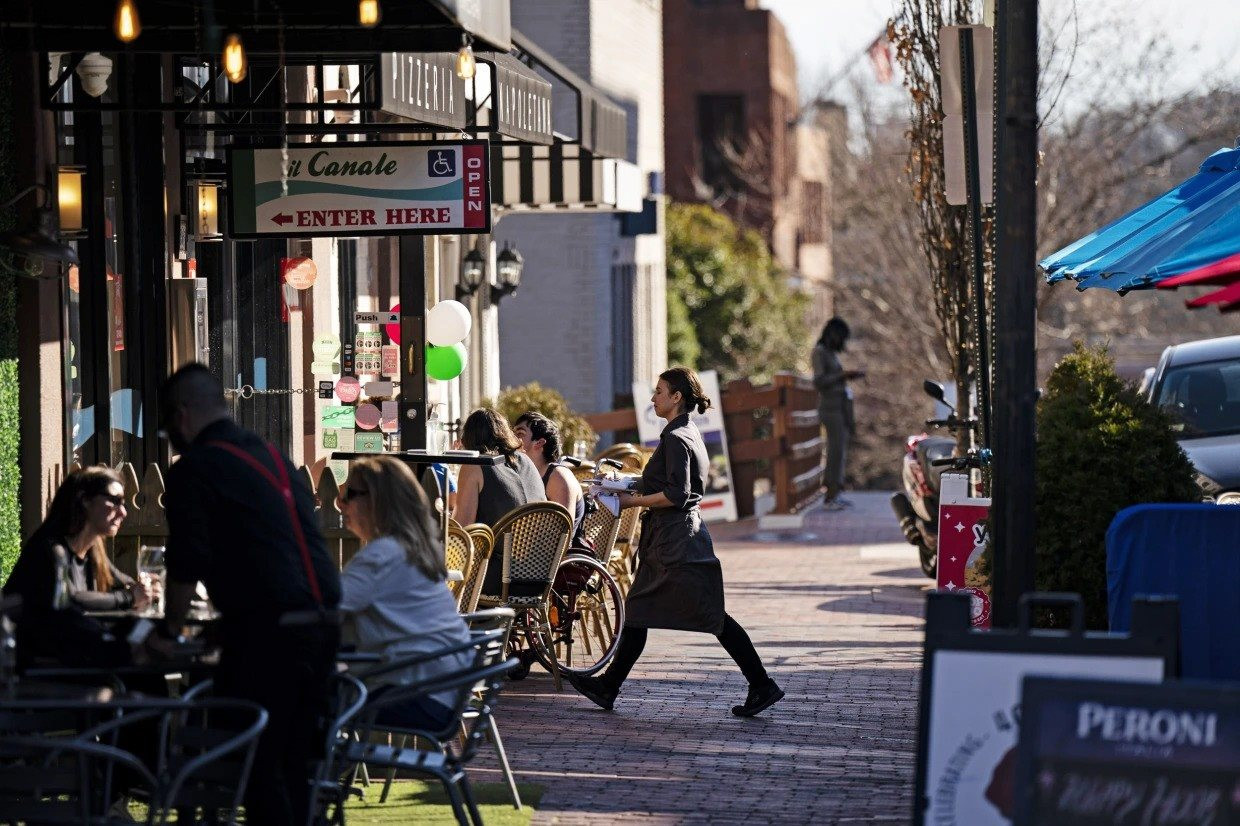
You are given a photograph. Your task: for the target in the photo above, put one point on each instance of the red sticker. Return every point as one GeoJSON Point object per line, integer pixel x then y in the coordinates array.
{"type": "Point", "coordinates": [348, 389]}
{"type": "Point", "coordinates": [367, 416]}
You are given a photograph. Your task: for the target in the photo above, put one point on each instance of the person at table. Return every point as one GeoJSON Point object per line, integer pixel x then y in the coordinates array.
{"type": "Point", "coordinates": [679, 583]}
{"type": "Point", "coordinates": [242, 521]}
{"type": "Point", "coordinates": [540, 441]}
{"type": "Point", "coordinates": [64, 570]}
{"type": "Point", "coordinates": [394, 591]}
{"type": "Point", "coordinates": [484, 493]}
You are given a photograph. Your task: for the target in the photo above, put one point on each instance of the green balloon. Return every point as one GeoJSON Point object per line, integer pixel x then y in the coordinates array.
{"type": "Point", "coordinates": [445, 363]}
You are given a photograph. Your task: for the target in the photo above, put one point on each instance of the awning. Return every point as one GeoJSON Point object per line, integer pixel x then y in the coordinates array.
{"type": "Point", "coordinates": [520, 102]}
{"type": "Point", "coordinates": [563, 176]}
{"type": "Point", "coordinates": [328, 26]}
{"type": "Point", "coordinates": [601, 126]}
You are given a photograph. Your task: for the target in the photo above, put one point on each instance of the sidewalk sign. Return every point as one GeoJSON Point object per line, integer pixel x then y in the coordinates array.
{"type": "Point", "coordinates": [969, 705]}
{"type": "Point", "coordinates": [1100, 753]}
{"type": "Point", "coordinates": [719, 503]}
{"type": "Point", "coordinates": [962, 539]}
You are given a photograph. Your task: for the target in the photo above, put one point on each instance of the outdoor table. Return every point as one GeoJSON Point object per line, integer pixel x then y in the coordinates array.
{"type": "Point", "coordinates": [421, 460]}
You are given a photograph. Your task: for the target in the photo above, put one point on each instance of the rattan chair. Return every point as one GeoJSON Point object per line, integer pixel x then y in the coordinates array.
{"type": "Point", "coordinates": [532, 539]}
{"type": "Point", "coordinates": [484, 542]}
{"type": "Point", "coordinates": [630, 456]}
{"type": "Point", "coordinates": [458, 555]}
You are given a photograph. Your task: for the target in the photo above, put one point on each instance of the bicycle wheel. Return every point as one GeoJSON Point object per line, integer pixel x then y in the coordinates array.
{"type": "Point", "coordinates": [586, 612]}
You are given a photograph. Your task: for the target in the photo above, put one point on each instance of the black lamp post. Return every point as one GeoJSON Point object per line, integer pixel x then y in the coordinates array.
{"type": "Point", "coordinates": [473, 273]}
{"type": "Point", "coordinates": [508, 266]}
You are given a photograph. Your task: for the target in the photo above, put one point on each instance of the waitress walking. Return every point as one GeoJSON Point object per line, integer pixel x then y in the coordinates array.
{"type": "Point", "coordinates": [679, 584]}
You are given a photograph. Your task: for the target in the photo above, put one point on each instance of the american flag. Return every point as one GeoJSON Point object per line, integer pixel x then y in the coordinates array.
{"type": "Point", "coordinates": [880, 58]}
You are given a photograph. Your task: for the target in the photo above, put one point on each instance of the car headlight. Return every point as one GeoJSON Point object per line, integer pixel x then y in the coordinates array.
{"type": "Point", "coordinates": [1231, 497]}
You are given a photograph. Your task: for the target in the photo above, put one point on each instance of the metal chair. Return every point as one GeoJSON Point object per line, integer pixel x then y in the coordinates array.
{"type": "Point", "coordinates": [458, 556]}
{"type": "Point", "coordinates": [484, 542]}
{"type": "Point", "coordinates": [492, 619]}
{"type": "Point", "coordinates": [533, 539]}
{"type": "Point", "coordinates": [443, 765]}
{"type": "Point", "coordinates": [333, 777]}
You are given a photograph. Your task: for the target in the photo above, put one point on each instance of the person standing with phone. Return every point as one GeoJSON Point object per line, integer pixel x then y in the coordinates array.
{"type": "Point", "coordinates": [835, 405]}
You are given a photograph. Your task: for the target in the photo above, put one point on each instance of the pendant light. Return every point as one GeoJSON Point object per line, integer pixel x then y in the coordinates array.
{"type": "Point", "coordinates": [465, 65]}
{"type": "Point", "coordinates": [235, 62]}
{"type": "Point", "coordinates": [126, 24]}
{"type": "Point", "coordinates": [369, 13]}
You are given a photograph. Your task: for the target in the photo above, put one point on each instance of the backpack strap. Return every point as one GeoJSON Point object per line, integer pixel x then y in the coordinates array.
{"type": "Point", "coordinates": [285, 487]}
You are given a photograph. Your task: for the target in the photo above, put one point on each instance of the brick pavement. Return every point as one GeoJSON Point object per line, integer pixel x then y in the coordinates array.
{"type": "Point", "coordinates": [835, 610]}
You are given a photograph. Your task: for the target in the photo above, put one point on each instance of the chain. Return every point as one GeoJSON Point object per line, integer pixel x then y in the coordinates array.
{"type": "Point", "coordinates": [249, 391]}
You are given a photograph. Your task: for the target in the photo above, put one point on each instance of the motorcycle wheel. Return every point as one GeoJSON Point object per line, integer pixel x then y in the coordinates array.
{"type": "Point", "coordinates": [929, 559]}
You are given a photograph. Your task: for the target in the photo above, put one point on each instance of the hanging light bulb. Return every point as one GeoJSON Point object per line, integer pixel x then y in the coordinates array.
{"type": "Point", "coordinates": [368, 13]}
{"type": "Point", "coordinates": [465, 59]}
{"type": "Point", "coordinates": [235, 62]}
{"type": "Point", "coordinates": [126, 24]}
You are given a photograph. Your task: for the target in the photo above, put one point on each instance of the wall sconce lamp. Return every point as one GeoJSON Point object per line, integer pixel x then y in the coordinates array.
{"type": "Point", "coordinates": [466, 66]}
{"type": "Point", "coordinates": [38, 245]}
{"type": "Point", "coordinates": [473, 273]}
{"type": "Point", "coordinates": [508, 267]}
{"type": "Point", "coordinates": [205, 210]}
{"type": "Point", "coordinates": [69, 199]}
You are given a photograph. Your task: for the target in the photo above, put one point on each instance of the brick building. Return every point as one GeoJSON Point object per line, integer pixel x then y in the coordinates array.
{"type": "Point", "coordinates": [737, 137]}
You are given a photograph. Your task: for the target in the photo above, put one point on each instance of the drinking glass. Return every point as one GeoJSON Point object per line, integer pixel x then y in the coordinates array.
{"type": "Point", "coordinates": [152, 574]}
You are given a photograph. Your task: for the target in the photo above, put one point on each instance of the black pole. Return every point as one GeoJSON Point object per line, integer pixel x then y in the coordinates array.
{"type": "Point", "coordinates": [412, 343]}
{"type": "Point", "coordinates": [1012, 513]}
{"type": "Point", "coordinates": [973, 181]}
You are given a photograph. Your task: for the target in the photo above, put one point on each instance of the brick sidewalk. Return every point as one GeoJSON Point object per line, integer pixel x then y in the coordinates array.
{"type": "Point", "coordinates": [835, 610]}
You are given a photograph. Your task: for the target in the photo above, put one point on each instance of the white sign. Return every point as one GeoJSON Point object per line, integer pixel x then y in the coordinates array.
{"type": "Point", "coordinates": [719, 502]}
{"type": "Point", "coordinates": [953, 111]}
{"type": "Point", "coordinates": [352, 189]}
{"type": "Point", "coordinates": [974, 721]}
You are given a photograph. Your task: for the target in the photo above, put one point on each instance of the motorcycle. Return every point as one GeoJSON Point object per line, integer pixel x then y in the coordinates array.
{"type": "Point", "coordinates": [925, 459]}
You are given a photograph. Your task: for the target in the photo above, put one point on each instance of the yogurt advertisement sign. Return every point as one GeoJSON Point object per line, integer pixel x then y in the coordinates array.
{"type": "Point", "coordinates": [350, 189]}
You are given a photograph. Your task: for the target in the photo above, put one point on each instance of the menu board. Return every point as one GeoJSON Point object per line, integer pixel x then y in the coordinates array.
{"type": "Point", "coordinates": [1096, 753]}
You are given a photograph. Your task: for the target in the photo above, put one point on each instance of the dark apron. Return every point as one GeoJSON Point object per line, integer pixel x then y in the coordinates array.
{"type": "Point", "coordinates": [679, 583]}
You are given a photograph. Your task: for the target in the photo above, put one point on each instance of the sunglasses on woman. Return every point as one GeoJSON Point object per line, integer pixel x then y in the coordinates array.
{"type": "Point", "coordinates": [112, 499]}
{"type": "Point", "coordinates": [351, 493]}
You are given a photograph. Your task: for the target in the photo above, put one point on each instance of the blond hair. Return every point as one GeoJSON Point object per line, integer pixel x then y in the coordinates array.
{"type": "Point", "coordinates": [396, 506]}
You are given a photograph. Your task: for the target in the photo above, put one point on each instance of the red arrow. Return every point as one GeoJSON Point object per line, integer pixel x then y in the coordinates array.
{"type": "Point", "coordinates": [282, 219]}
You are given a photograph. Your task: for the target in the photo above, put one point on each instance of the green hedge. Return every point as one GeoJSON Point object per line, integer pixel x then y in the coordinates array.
{"type": "Point", "coordinates": [1101, 448]}
{"type": "Point", "coordinates": [10, 512]}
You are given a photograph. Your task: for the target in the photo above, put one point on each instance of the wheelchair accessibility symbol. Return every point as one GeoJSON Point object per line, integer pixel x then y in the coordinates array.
{"type": "Point", "coordinates": [441, 163]}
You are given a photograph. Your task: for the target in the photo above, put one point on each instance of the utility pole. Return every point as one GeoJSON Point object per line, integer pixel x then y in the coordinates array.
{"type": "Point", "coordinates": [1015, 396]}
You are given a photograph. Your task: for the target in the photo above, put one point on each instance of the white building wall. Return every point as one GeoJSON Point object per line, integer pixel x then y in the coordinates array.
{"type": "Point", "coordinates": [557, 328]}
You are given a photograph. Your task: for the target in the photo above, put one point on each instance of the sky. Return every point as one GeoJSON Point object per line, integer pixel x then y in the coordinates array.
{"type": "Point", "coordinates": [830, 36]}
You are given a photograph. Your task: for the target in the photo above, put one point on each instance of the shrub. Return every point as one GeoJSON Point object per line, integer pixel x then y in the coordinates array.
{"type": "Point", "coordinates": [10, 475]}
{"type": "Point", "coordinates": [513, 401]}
{"type": "Point", "coordinates": [1101, 448]}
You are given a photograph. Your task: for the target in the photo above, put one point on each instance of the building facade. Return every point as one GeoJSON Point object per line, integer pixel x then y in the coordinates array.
{"type": "Point", "coordinates": [590, 318]}
{"type": "Point", "coordinates": [738, 138]}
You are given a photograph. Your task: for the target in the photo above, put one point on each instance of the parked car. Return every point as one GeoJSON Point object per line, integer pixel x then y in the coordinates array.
{"type": "Point", "coordinates": [1198, 383]}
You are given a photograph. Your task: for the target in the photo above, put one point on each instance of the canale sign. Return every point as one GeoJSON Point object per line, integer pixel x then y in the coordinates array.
{"type": "Point", "coordinates": [350, 189]}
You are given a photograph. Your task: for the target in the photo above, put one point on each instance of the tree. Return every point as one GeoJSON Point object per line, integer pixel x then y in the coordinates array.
{"type": "Point", "coordinates": [534, 398]}
{"type": "Point", "coordinates": [730, 306]}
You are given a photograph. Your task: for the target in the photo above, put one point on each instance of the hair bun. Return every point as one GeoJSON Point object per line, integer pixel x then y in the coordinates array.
{"type": "Point", "coordinates": [703, 404]}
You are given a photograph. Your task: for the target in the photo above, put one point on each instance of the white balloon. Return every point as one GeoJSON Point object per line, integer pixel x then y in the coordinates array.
{"type": "Point", "coordinates": [447, 323]}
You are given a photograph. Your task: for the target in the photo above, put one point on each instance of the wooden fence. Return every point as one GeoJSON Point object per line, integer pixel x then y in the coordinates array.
{"type": "Point", "coordinates": [773, 433]}
{"type": "Point", "coordinates": [145, 523]}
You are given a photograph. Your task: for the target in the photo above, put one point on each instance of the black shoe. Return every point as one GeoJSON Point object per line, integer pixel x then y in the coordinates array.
{"type": "Point", "coordinates": [594, 690]}
{"type": "Point", "coordinates": [760, 699]}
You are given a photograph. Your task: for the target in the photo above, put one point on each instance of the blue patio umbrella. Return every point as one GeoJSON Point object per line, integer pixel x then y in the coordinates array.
{"type": "Point", "coordinates": [1194, 225]}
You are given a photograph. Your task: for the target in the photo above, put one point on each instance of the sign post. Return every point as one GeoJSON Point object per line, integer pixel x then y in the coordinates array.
{"type": "Point", "coordinates": [354, 189]}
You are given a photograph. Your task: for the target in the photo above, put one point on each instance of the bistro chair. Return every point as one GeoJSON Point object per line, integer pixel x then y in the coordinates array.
{"type": "Point", "coordinates": [490, 619]}
{"type": "Point", "coordinates": [630, 456]}
{"type": "Point", "coordinates": [334, 774]}
{"type": "Point", "coordinates": [458, 556]}
{"type": "Point", "coordinates": [532, 539]}
{"type": "Point", "coordinates": [484, 542]}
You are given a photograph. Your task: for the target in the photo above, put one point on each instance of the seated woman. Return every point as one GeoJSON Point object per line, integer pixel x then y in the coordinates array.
{"type": "Point", "coordinates": [394, 591]}
{"type": "Point", "coordinates": [484, 493]}
{"type": "Point", "coordinates": [540, 441]}
{"type": "Point", "coordinates": [63, 570]}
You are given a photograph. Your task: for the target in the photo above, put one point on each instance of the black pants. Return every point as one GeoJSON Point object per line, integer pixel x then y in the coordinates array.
{"type": "Point", "coordinates": [733, 639]}
{"type": "Point", "coordinates": [284, 670]}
